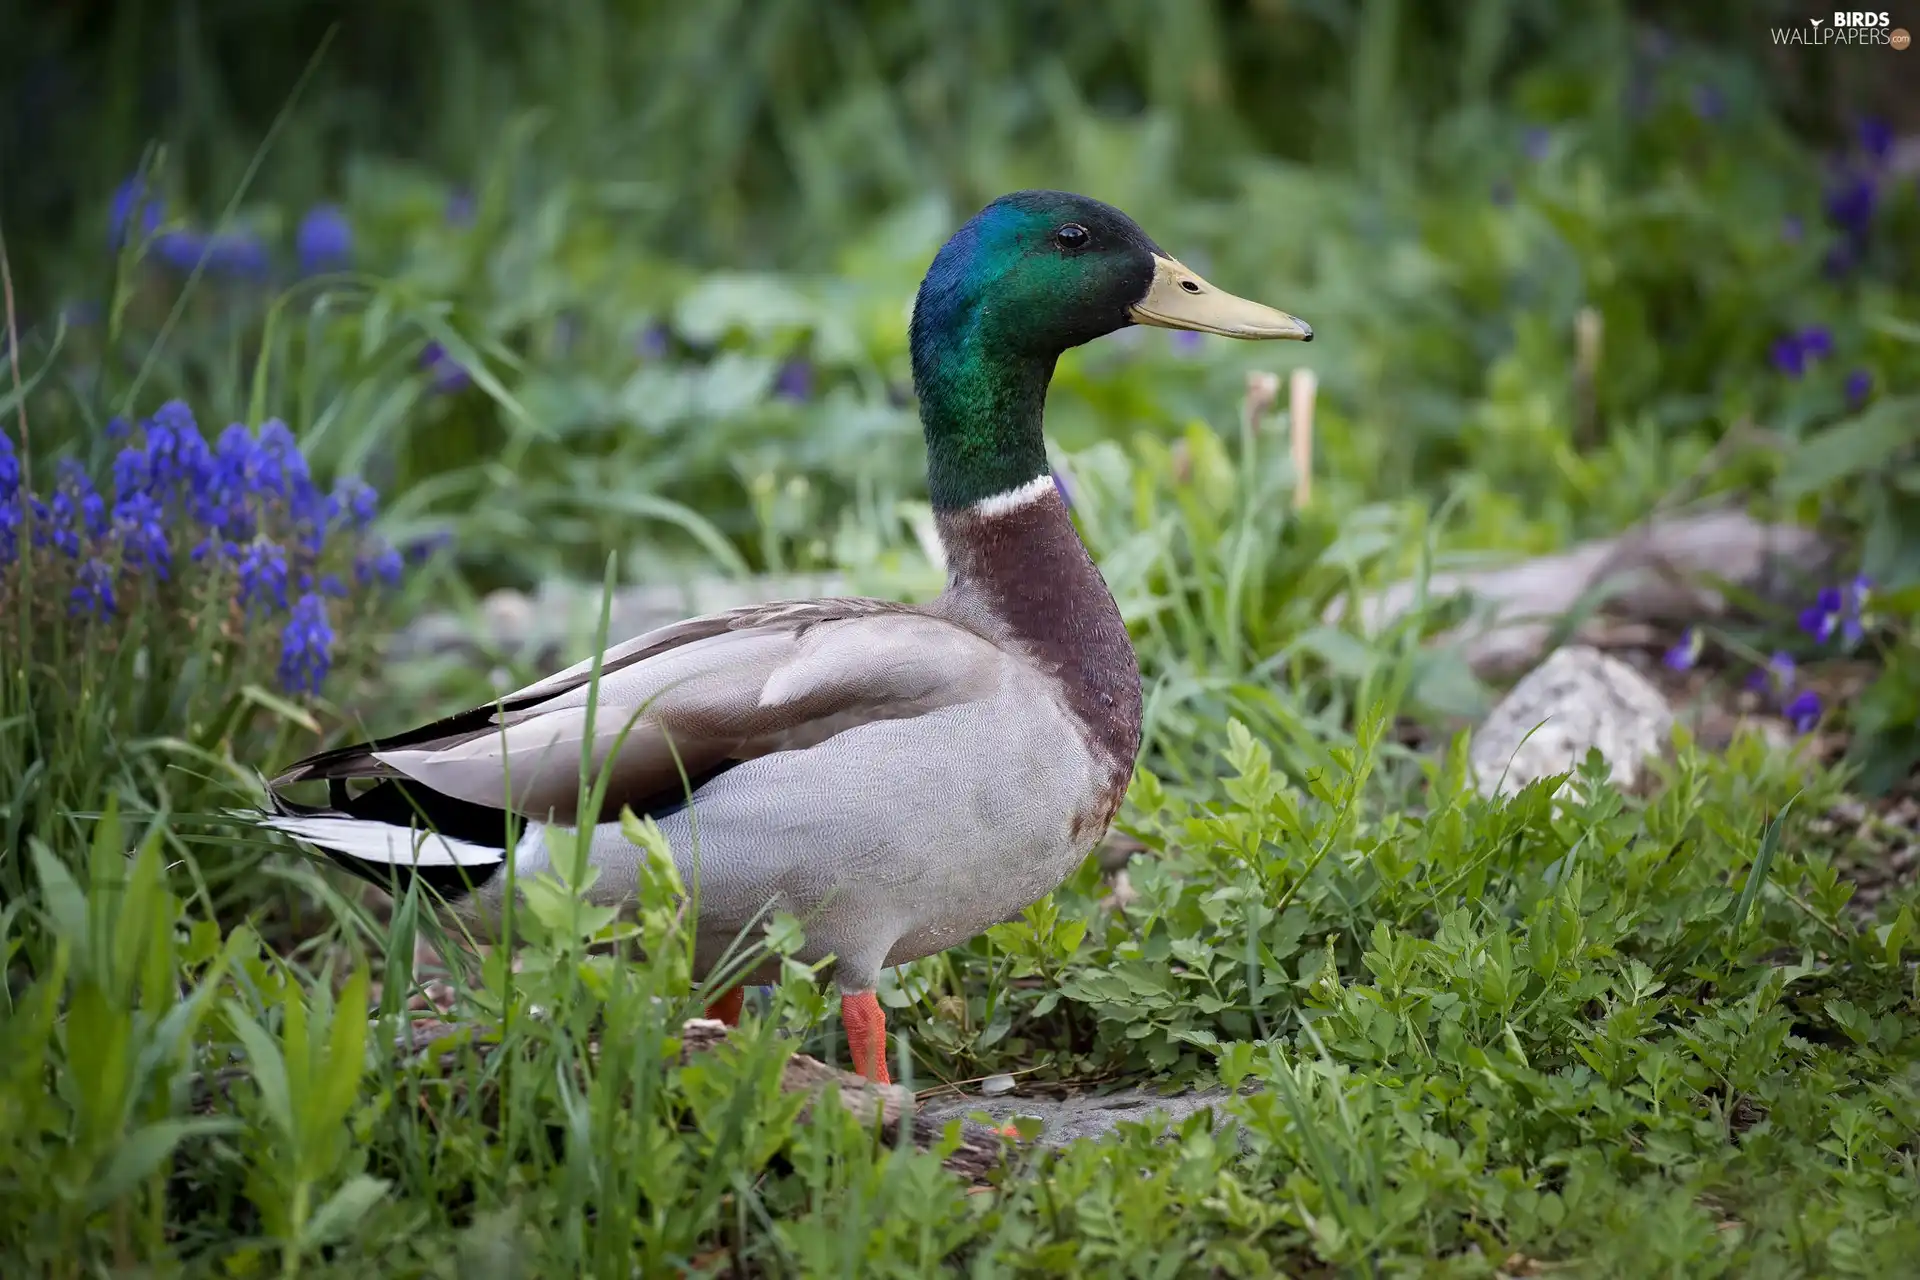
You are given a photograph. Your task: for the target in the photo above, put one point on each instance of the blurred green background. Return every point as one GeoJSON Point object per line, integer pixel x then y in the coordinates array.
{"type": "Point", "coordinates": [634, 276]}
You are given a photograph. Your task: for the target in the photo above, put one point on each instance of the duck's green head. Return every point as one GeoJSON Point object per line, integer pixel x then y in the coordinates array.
{"type": "Point", "coordinates": [1032, 274]}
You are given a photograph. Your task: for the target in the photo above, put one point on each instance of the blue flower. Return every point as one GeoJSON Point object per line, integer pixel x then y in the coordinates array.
{"type": "Point", "coordinates": [1803, 713]}
{"type": "Point", "coordinates": [181, 250]}
{"type": "Point", "coordinates": [460, 208]}
{"type": "Point", "coordinates": [1854, 618]}
{"type": "Point", "coordinates": [263, 577]}
{"type": "Point", "coordinates": [356, 500]}
{"type": "Point", "coordinates": [241, 254]}
{"type": "Point", "coordinates": [143, 533]}
{"type": "Point", "coordinates": [1787, 356]}
{"type": "Point", "coordinates": [448, 374]}
{"type": "Point", "coordinates": [654, 342]}
{"type": "Point", "coordinates": [1876, 138]}
{"type": "Point", "coordinates": [93, 591]}
{"type": "Point", "coordinates": [383, 563]}
{"type": "Point", "coordinates": [77, 513]}
{"type": "Point", "coordinates": [1686, 653]}
{"type": "Point", "coordinates": [1063, 489]}
{"type": "Point", "coordinates": [1821, 617]}
{"type": "Point", "coordinates": [9, 500]}
{"type": "Point", "coordinates": [1793, 353]}
{"type": "Point", "coordinates": [306, 646]}
{"type": "Point", "coordinates": [324, 239]}
{"type": "Point", "coordinates": [9, 469]}
{"type": "Point", "coordinates": [795, 380]}
{"type": "Point", "coordinates": [1186, 342]}
{"type": "Point", "coordinates": [1708, 102]}
{"type": "Point", "coordinates": [131, 207]}
{"type": "Point", "coordinates": [1852, 200]}
{"type": "Point", "coordinates": [1859, 387]}
{"type": "Point", "coordinates": [237, 254]}
{"type": "Point", "coordinates": [1776, 677]}
{"type": "Point", "coordinates": [1535, 142]}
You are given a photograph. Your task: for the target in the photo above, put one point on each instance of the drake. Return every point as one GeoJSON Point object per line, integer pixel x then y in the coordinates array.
{"type": "Point", "coordinates": [898, 777]}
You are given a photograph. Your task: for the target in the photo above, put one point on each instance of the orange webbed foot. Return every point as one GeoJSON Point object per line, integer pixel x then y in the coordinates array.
{"type": "Point", "coordinates": [866, 1035]}
{"type": "Point", "coordinates": [727, 1008]}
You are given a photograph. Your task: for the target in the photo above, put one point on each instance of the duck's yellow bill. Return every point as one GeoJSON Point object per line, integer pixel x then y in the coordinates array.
{"type": "Point", "coordinates": [1179, 299]}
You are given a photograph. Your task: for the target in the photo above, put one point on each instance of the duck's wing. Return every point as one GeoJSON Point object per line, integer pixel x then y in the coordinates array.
{"type": "Point", "coordinates": [673, 707]}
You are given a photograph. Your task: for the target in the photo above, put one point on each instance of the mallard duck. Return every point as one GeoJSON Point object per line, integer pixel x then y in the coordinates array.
{"type": "Point", "coordinates": [898, 777]}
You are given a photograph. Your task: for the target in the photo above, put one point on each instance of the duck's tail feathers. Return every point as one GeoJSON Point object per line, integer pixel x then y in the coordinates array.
{"type": "Point", "coordinates": [378, 847]}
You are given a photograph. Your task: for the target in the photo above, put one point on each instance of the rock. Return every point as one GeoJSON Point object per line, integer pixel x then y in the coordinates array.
{"type": "Point", "coordinates": [1578, 698]}
{"type": "Point", "coordinates": [1666, 570]}
{"type": "Point", "coordinates": [1078, 1115]}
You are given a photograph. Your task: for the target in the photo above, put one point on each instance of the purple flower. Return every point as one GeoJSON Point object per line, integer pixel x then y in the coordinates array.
{"type": "Point", "coordinates": [306, 646]}
{"type": "Point", "coordinates": [654, 342]}
{"type": "Point", "coordinates": [132, 208]}
{"type": "Point", "coordinates": [324, 240]}
{"type": "Point", "coordinates": [93, 591]}
{"type": "Point", "coordinates": [1185, 342]}
{"type": "Point", "coordinates": [460, 208]}
{"type": "Point", "coordinates": [1061, 487]}
{"type": "Point", "coordinates": [1686, 653]}
{"type": "Point", "coordinates": [1787, 356]}
{"type": "Point", "coordinates": [1776, 677]}
{"type": "Point", "coordinates": [448, 375]}
{"type": "Point", "coordinates": [1852, 200]}
{"type": "Point", "coordinates": [1803, 713]}
{"type": "Point", "coordinates": [795, 380]}
{"type": "Point", "coordinates": [1855, 619]}
{"type": "Point", "coordinates": [1821, 617]}
{"type": "Point", "coordinates": [1859, 387]}
{"type": "Point", "coordinates": [1793, 353]}
{"type": "Point", "coordinates": [1876, 138]}
{"type": "Point", "coordinates": [1708, 102]}
{"type": "Point", "coordinates": [1535, 142]}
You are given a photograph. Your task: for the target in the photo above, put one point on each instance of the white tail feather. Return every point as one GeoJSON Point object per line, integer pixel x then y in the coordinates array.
{"type": "Point", "coordinates": [383, 842]}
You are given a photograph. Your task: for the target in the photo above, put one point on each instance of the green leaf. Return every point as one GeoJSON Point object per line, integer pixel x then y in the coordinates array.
{"type": "Point", "coordinates": [266, 1066]}
{"type": "Point", "coordinates": [343, 1211]}
{"type": "Point", "coordinates": [141, 1153]}
{"type": "Point", "coordinates": [1862, 443]}
{"type": "Point", "coordinates": [346, 1054]}
{"type": "Point", "coordinates": [61, 899]}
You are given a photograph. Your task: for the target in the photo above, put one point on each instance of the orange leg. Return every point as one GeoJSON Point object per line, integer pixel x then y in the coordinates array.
{"type": "Point", "coordinates": [727, 1007]}
{"type": "Point", "coordinates": [866, 1035]}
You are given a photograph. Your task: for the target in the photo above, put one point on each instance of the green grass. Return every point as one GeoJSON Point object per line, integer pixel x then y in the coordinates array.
{"type": "Point", "coordinates": [1582, 1033]}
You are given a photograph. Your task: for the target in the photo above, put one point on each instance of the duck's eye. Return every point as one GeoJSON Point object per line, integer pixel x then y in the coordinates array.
{"type": "Point", "coordinates": [1072, 236]}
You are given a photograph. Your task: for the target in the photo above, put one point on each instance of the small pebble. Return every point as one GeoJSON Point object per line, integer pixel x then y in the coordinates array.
{"type": "Point", "coordinates": [994, 1086]}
